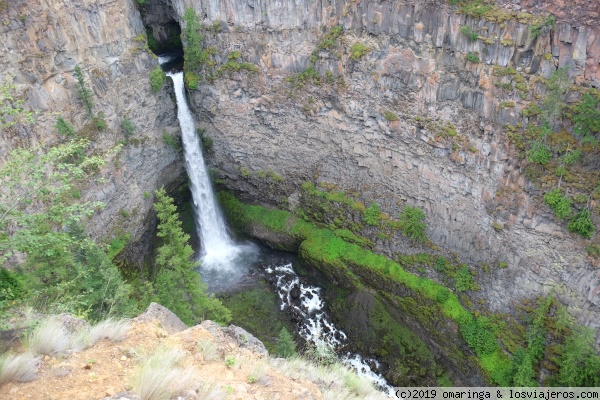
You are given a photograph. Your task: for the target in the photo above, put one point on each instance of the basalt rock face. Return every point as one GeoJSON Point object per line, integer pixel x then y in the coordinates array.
{"type": "Point", "coordinates": [41, 43]}
{"type": "Point", "coordinates": [416, 69]}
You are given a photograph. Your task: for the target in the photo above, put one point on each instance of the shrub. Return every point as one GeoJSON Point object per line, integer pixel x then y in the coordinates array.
{"type": "Point", "coordinates": [127, 128]}
{"type": "Point", "coordinates": [390, 116]}
{"type": "Point", "coordinates": [230, 361]}
{"type": "Point", "coordinates": [479, 336]}
{"type": "Point", "coordinates": [558, 202]}
{"type": "Point", "coordinates": [207, 143]}
{"type": "Point", "coordinates": [18, 368]}
{"type": "Point", "coordinates": [537, 30]}
{"type": "Point", "coordinates": [413, 226]}
{"type": "Point", "coordinates": [157, 79]}
{"type": "Point", "coordinates": [473, 57]}
{"type": "Point", "coordinates": [64, 128]}
{"type": "Point", "coordinates": [586, 117]}
{"type": "Point", "coordinates": [172, 141]}
{"type": "Point", "coordinates": [11, 287]}
{"type": "Point", "coordinates": [463, 280]}
{"type": "Point", "coordinates": [472, 35]}
{"type": "Point", "coordinates": [372, 215]}
{"type": "Point", "coordinates": [286, 347]}
{"type": "Point", "coordinates": [582, 224]}
{"type": "Point", "coordinates": [100, 122]}
{"type": "Point", "coordinates": [358, 50]}
{"type": "Point", "coordinates": [539, 153]}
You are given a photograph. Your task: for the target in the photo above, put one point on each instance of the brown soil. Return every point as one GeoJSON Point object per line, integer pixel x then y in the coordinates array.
{"type": "Point", "coordinates": [109, 368]}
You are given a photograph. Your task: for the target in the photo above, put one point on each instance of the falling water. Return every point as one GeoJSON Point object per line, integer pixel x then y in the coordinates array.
{"type": "Point", "coordinates": [218, 250]}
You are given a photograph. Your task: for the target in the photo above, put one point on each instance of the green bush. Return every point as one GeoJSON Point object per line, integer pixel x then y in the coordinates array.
{"type": "Point", "coordinates": [582, 224]}
{"type": "Point", "coordinates": [537, 30]}
{"type": "Point", "coordinates": [64, 128]}
{"type": "Point", "coordinates": [586, 117]}
{"type": "Point", "coordinates": [463, 280]}
{"type": "Point", "coordinates": [100, 122]}
{"type": "Point", "coordinates": [390, 116]}
{"type": "Point", "coordinates": [472, 35]}
{"type": "Point", "coordinates": [358, 50]}
{"type": "Point", "coordinates": [11, 286]}
{"type": "Point", "coordinates": [191, 80]}
{"type": "Point", "coordinates": [473, 57]}
{"type": "Point", "coordinates": [413, 226]}
{"type": "Point", "coordinates": [539, 153]}
{"type": "Point", "coordinates": [157, 79]}
{"type": "Point", "coordinates": [559, 203]}
{"type": "Point", "coordinates": [479, 336]}
{"type": "Point", "coordinates": [172, 141]}
{"type": "Point", "coordinates": [372, 215]}
{"type": "Point", "coordinates": [127, 127]}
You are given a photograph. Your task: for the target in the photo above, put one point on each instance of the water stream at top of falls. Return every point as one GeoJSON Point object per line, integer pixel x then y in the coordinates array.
{"type": "Point", "coordinates": [218, 249]}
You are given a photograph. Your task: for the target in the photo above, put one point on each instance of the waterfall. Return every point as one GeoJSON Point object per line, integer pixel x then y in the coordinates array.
{"type": "Point", "coordinates": [218, 250]}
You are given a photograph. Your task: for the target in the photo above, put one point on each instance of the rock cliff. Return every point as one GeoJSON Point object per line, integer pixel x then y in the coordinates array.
{"type": "Point", "coordinates": [41, 43]}
{"type": "Point", "coordinates": [378, 123]}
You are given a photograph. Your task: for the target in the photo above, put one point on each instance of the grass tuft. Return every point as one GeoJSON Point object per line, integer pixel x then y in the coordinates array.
{"type": "Point", "coordinates": [18, 368]}
{"type": "Point", "coordinates": [50, 337]}
{"type": "Point", "coordinates": [113, 330]}
{"type": "Point", "coordinates": [160, 378]}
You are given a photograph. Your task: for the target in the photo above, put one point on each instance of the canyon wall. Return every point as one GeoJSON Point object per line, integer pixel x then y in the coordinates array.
{"type": "Point", "coordinates": [41, 42]}
{"type": "Point", "coordinates": [477, 200]}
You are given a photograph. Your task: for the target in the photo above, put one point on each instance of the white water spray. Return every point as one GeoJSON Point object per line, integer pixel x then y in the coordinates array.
{"type": "Point", "coordinates": [218, 250]}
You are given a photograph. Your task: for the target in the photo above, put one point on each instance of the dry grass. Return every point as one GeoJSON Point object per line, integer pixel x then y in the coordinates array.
{"type": "Point", "coordinates": [115, 331]}
{"type": "Point", "coordinates": [208, 350]}
{"type": "Point", "coordinates": [160, 378]}
{"type": "Point", "coordinates": [18, 368]}
{"type": "Point", "coordinates": [335, 381]}
{"type": "Point", "coordinates": [49, 337]}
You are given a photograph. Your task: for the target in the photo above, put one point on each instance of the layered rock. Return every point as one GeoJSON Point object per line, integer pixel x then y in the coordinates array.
{"type": "Point", "coordinates": [417, 69]}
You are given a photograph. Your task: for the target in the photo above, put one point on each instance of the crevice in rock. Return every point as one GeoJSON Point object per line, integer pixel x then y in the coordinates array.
{"type": "Point", "coordinates": [162, 27]}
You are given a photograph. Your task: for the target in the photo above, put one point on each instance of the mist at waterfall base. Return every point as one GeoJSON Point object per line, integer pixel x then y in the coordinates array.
{"type": "Point", "coordinates": [226, 264]}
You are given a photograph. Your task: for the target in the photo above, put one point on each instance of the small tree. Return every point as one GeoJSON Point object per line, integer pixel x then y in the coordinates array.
{"type": "Point", "coordinates": [286, 347]}
{"type": "Point", "coordinates": [64, 128]}
{"type": "Point", "coordinates": [84, 94]}
{"type": "Point", "coordinates": [178, 285]}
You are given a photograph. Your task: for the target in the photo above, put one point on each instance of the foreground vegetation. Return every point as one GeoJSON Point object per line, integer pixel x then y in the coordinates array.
{"type": "Point", "coordinates": [55, 267]}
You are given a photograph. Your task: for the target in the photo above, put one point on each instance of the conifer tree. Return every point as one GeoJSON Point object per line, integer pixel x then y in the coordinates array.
{"type": "Point", "coordinates": [286, 347]}
{"type": "Point", "coordinates": [178, 285]}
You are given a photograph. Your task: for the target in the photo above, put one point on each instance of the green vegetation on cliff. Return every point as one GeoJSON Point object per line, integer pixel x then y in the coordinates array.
{"type": "Point", "coordinates": [509, 353]}
{"type": "Point", "coordinates": [346, 260]}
